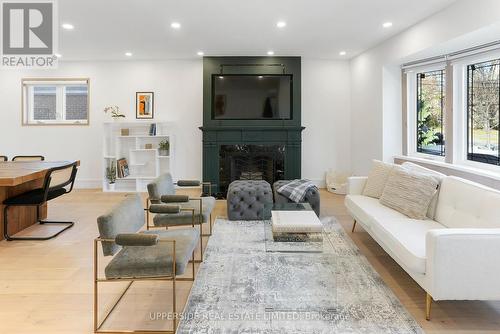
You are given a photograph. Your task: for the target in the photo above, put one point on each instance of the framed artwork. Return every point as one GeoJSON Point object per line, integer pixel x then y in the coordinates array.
{"type": "Point", "coordinates": [144, 105]}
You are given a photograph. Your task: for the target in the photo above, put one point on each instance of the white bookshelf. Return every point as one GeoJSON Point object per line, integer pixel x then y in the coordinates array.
{"type": "Point", "coordinates": [144, 164]}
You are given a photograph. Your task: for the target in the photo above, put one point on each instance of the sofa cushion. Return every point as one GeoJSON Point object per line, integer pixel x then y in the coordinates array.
{"type": "Point", "coordinates": [409, 192]}
{"type": "Point", "coordinates": [431, 212]}
{"type": "Point", "coordinates": [377, 178]}
{"type": "Point", "coordinates": [405, 239]}
{"type": "Point", "coordinates": [367, 209]}
{"type": "Point", "coordinates": [466, 204]}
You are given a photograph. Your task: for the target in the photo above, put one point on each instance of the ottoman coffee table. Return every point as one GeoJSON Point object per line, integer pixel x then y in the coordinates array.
{"type": "Point", "coordinates": [247, 200]}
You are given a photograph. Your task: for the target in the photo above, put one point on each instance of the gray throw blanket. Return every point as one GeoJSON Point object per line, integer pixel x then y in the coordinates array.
{"type": "Point", "coordinates": [296, 190]}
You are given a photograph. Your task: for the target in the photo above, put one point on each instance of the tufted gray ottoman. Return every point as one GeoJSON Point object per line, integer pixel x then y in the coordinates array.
{"type": "Point", "coordinates": [246, 200]}
{"type": "Point", "coordinates": [312, 196]}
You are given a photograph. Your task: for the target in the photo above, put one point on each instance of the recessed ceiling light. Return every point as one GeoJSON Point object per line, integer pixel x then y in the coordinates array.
{"type": "Point", "coordinates": [175, 25]}
{"type": "Point", "coordinates": [281, 24]}
{"type": "Point", "coordinates": [387, 24]}
{"type": "Point", "coordinates": [270, 53]}
{"type": "Point", "coordinates": [128, 54]}
{"type": "Point", "coordinates": [68, 26]}
{"type": "Point", "coordinates": [58, 55]}
{"type": "Point", "coordinates": [342, 53]}
{"type": "Point", "coordinates": [221, 77]}
{"type": "Point", "coordinates": [261, 77]}
{"type": "Point", "coordinates": [200, 53]}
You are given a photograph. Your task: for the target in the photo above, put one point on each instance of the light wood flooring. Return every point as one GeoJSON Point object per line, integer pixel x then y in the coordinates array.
{"type": "Point", "coordinates": [46, 286]}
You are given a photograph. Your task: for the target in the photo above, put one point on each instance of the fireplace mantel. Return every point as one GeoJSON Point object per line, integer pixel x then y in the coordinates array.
{"type": "Point", "coordinates": [283, 133]}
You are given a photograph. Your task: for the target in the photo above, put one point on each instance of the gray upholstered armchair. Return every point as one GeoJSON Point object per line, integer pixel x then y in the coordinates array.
{"type": "Point", "coordinates": [147, 255]}
{"type": "Point", "coordinates": [162, 201]}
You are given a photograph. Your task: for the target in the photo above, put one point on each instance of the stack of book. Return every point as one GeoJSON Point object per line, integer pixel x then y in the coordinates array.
{"type": "Point", "coordinates": [122, 168]}
{"type": "Point", "coordinates": [152, 129]}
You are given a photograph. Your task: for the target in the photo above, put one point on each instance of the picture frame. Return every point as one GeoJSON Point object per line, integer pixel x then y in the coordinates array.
{"type": "Point", "coordinates": [144, 105]}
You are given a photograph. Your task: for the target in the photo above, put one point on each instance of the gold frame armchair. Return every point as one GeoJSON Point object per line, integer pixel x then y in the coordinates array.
{"type": "Point", "coordinates": [139, 256]}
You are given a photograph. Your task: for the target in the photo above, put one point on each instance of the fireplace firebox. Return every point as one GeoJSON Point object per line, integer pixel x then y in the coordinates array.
{"type": "Point", "coordinates": [250, 162]}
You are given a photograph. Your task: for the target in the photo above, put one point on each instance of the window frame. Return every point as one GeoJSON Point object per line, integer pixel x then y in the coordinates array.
{"type": "Point", "coordinates": [411, 109]}
{"type": "Point", "coordinates": [27, 116]}
{"type": "Point", "coordinates": [460, 110]}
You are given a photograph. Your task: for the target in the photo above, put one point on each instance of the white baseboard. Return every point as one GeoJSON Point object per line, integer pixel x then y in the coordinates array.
{"type": "Point", "coordinates": [319, 183]}
{"type": "Point", "coordinates": [97, 183]}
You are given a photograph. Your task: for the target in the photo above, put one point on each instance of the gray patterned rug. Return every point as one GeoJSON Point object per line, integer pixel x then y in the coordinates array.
{"type": "Point", "coordinates": [247, 285]}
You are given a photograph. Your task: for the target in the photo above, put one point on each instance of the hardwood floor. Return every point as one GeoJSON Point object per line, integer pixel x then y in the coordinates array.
{"type": "Point", "coordinates": [46, 286]}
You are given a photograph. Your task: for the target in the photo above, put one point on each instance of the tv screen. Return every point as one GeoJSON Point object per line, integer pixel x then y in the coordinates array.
{"type": "Point", "coordinates": [252, 96]}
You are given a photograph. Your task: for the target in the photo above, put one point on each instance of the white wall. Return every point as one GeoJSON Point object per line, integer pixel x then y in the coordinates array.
{"type": "Point", "coordinates": [376, 127]}
{"type": "Point", "coordinates": [326, 116]}
{"type": "Point", "coordinates": [177, 85]}
{"type": "Point", "coordinates": [178, 98]}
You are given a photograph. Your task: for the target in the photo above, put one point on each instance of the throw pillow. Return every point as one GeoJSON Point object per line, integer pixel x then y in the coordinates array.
{"type": "Point", "coordinates": [409, 192]}
{"type": "Point", "coordinates": [377, 179]}
{"type": "Point", "coordinates": [431, 213]}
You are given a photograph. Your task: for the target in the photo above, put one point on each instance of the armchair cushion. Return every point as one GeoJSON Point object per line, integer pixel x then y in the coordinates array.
{"type": "Point", "coordinates": [162, 185]}
{"type": "Point", "coordinates": [164, 208]}
{"type": "Point", "coordinates": [174, 198]}
{"type": "Point", "coordinates": [126, 217]}
{"type": "Point", "coordinates": [156, 260]}
{"type": "Point", "coordinates": [185, 217]}
{"type": "Point", "coordinates": [136, 239]}
{"type": "Point", "coordinates": [188, 183]}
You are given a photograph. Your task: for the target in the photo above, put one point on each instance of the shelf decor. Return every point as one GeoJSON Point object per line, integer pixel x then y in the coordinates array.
{"type": "Point", "coordinates": [136, 157]}
{"type": "Point", "coordinates": [144, 105]}
{"type": "Point", "coordinates": [163, 148]}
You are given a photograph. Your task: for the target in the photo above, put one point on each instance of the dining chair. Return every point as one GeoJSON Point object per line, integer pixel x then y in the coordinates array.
{"type": "Point", "coordinates": [3, 158]}
{"type": "Point", "coordinates": [28, 158]}
{"type": "Point", "coordinates": [58, 181]}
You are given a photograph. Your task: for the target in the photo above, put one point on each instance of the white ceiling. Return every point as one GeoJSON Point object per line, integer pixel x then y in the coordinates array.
{"type": "Point", "coordinates": [106, 29]}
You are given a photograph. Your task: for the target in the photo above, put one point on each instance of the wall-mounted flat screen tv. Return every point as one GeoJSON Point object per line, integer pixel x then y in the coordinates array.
{"type": "Point", "coordinates": [253, 97]}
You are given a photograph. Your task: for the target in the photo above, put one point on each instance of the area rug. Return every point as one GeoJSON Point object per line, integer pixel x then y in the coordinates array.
{"type": "Point", "coordinates": [242, 287]}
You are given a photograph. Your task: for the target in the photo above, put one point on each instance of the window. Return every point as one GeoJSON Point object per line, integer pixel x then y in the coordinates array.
{"type": "Point", "coordinates": [430, 130]}
{"type": "Point", "coordinates": [55, 101]}
{"type": "Point", "coordinates": [483, 117]}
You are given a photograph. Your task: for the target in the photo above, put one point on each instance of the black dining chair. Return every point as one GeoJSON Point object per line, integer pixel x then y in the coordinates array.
{"type": "Point", "coordinates": [28, 158]}
{"type": "Point", "coordinates": [3, 158]}
{"type": "Point", "coordinates": [58, 181]}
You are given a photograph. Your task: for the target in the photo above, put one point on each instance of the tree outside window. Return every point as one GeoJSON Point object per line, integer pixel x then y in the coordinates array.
{"type": "Point", "coordinates": [483, 118]}
{"type": "Point", "coordinates": [430, 112]}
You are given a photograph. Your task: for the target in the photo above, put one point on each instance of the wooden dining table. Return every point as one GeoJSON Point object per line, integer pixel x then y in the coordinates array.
{"type": "Point", "coordinates": [17, 177]}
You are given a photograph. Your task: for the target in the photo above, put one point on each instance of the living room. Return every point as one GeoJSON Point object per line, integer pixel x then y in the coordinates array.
{"type": "Point", "coordinates": [314, 167]}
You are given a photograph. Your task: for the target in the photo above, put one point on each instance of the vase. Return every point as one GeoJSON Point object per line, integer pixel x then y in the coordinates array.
{"type": "Point", "coordinates": [111, 186]}
{"type": "Point", "coordinates": [163, 153]}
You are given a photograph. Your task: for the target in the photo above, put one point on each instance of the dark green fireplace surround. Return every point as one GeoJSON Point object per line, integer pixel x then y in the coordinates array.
{"type": "Point", "coordinates": [216, 133]}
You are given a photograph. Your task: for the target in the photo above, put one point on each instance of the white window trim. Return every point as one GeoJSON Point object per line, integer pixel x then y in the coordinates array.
{"type": "Point", "coordinates": [60, 83]}
{"type": "Point", "coordinates": [460, 110]}
{"type": "Point", "coordinates": [411, 109]}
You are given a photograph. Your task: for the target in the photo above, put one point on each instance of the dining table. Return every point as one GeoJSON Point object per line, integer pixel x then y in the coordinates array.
{"type": "Point", "coordinates": [18, 177]}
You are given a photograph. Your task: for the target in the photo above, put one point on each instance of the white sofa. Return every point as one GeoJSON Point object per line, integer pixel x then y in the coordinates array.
{"type": "Point", "coordinates": [456, 255]}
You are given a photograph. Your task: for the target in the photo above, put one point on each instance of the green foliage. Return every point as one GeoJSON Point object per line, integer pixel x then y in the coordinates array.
{"type": "Point", "coordinates": [111, 173]}
{"type": "Point", "coordinates": [164, 145]}
{"type": "Point", "coordinates": [429, 110]}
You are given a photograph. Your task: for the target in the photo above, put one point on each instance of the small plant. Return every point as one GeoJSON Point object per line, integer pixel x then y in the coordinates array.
{"type": "Point", "coordinates": [111, 173]}
{"type": "Point", "coordinates": [164, 145]}
{"type": "Point", "coordinates": [115, 111]}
